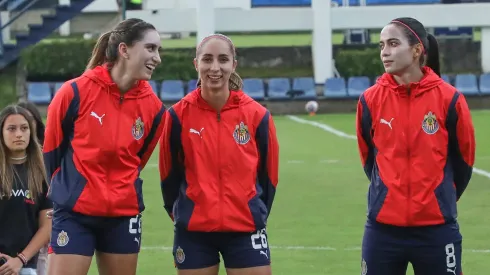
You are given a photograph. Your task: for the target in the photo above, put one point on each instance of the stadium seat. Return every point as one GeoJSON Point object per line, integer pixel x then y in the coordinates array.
{"type": "Point", "coordinates": [254, 87]}
{"type": "Point", "coordinates": [466, 84]}
{"type": "Point", "coordinates": [279, 88]}
{"type": "Point", "coordinates": [485, 84]}
{"type": "Point", "coordinates": [154, 86]}
{"type": "Point", "coordinates": [191, 85]}
{"type": "Point", "coordinates": [306, 85]}
{"type": "Point", "coordinates": [39, 92]}
{"type": "Point", "coordinates": [446, 78]}
{"type": "Point", "coordinates": [335, 88]}
{"type": "Point", "coordinates": [57, 86]}
{"type": "Point", "coordinates": [172, 90]}
{"type": "Point", "coordinates": [356, 85]}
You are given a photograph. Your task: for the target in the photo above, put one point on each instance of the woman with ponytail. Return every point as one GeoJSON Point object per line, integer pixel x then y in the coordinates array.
{"type": "Point", "coordinates": [417, 145]}
{"type": "Point", "coordinates": [101, 130]}
{"type": "Point", "coordinates": [219, 180]}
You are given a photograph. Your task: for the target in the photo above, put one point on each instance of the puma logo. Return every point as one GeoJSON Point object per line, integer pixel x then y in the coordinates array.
{"type": "Point", "coordinates": [451, 270]}
{"type": "Point", "coordinates": [265, 254]}
{"type": "Point", "coordinates": [97, 117]}
{"type": "Point", "coordinates": [194, 131]}
{"type": "Point", "coordinates": [383, 121]}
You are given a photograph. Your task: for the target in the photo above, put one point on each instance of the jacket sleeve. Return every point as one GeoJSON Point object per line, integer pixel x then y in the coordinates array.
{"type": "Point", "coordinates": [152, 138]}
{"type": "Point", "coordinates": [461, 142]}
{"type": "Point", "coordinates": [62, 112]}
{"type": "Point", "coordinates": [268, 170]}
{"type": "Point", "coordinates": [170, 160]}
{"type": "Point", "coordinates": [364, 139]}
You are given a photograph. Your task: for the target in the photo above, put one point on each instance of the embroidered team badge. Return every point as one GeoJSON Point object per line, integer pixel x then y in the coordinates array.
{"type": "Point", "coordinates": [179, 255]}
{"type": "Point", "coordinates": [241, 134]}
{"type": "Point", "coordinates": [430, 124]}
{"type": "Point", "coordinates": [363, 267]}
{"type": "Point", "coordinates": [138, 129]}
{"type": "Point", "coordinates": [63, 238]}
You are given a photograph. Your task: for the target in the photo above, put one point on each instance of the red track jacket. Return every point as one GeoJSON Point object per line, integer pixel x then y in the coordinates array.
{"type": "Point", "coordinates": [97, 142]}
{"type": "Point", "coordinates": [222, 170]}
{"type": "Point", "coordinates": [417, 146]}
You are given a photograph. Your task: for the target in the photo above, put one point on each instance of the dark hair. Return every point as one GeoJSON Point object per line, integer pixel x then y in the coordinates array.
{"type": "Point", "coordinates": [235, 82]}
{"type": "Point", "coordinates": [416, 34]}
{"type": "Point", "coordinates": [40, 127]}
{"type": "Point", "coordinates": [36, 173]}
{"type": "Point", "coordinates": [128, 31]}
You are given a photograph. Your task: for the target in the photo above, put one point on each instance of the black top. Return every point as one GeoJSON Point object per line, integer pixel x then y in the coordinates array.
{"type": "Point", "coordinates": [19, 216]}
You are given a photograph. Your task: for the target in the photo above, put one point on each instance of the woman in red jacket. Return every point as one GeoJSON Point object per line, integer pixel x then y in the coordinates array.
{"type": "Point", "coordinates": [417, 146]}
{"type": "Point", "coordinates": [219, 180]}
{"type": "Point", "coordinates": [101, 130]}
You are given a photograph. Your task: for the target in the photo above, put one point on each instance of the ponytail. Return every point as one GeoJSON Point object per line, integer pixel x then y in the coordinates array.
{"type": "Point", "coordinates": [433, 55]}
{"type": "Point", "coordinates": [234, 84]}
{"type": "Point", "coordinates": [99, 53]}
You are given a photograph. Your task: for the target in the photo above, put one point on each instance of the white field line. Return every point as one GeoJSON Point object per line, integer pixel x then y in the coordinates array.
{"type": "Point", "coordinates": [307, 248]}
{"type": "Point", "coordinates": [345, 135]}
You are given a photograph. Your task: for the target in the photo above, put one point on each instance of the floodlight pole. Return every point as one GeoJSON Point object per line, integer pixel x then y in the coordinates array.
{"type": "Point", "coordinates": [123, 9]}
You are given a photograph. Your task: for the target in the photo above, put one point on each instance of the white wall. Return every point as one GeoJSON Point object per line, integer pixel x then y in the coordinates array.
{"type": "Point", "coordinates": [111, 5]}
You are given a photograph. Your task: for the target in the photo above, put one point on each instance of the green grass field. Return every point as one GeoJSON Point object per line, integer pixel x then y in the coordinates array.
{"type": "Point", "coordinates": [317, 220]}
{"type": "Point", "coordinates": [259, 40]}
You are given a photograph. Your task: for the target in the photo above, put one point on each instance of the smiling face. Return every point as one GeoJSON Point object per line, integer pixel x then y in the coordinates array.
{"type": "Point", "coordinates": [143, 56]}
{"type": "Point", "coordinates": [16, 133]}
{"type": "Point", "coordinates": [215, 62]}
{"type": "Point", "coordinates": [396, 53]}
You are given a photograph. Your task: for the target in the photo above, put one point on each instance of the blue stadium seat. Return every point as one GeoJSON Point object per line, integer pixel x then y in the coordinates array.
{"type": "Point", "coordinates": [356, 85]}
{"type": "Point", "coordinates": [39, 92]}
{"type": "Point", "coordinates": [485, 84]}
{"type": "Point", "coordinates": [191, 85]}
{"type": "Point", "coordinates": [279, 88]}
{"type": "Point", "coordinates": [154, 86]}
{"type": "Point", "coordinates": [466, 84]}
{"type": "Point", "coordinates": [306, 85]}
{"type": "Point", "coordinates": [335, 88]}
{"type": "Point", "coordinates": [172, 90]}
{"type": "Point", "coordinates": [57, 86]}
{"type": "Point", "coordinates": [401, 2]}
{"type": "Point", "coordinates": [446, 78]}
{"type": "Point", "coordinates": [278, 3]}
{"type": "Point", "coordinates": [254, 87]}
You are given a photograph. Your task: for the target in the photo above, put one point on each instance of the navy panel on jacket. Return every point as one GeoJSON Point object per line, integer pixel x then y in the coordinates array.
{"type": "Point", "coordinates": [377, 189]}
{"type": "Point", "coordinates": [138, 183]}
{"type": "Point", "coordinates": [175, 185]}
{"type": "Point", "coordinates": [261, 204]}
{"type": "Point", "coordinates": [52, 159]}
{"type": "Point", "coordinates": [461, 170]}
{"type": "Point", "coordinates": [366, 135]}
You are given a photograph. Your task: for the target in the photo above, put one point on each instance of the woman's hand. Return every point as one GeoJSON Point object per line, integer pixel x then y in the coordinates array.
{"type": "Point", "coordinates": [49, 214]}
{"type": "Point", "coordinates": [12, 266]}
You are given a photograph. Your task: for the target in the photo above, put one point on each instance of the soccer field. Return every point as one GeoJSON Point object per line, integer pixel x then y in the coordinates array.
{"type": "Point", "coordinates": [317, 220]}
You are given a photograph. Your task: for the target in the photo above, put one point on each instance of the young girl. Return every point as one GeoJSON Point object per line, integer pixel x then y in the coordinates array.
{"type": "Point", "coordinates": [39, 128]}
{"type": "Point", "coordinates": [220, 178]}
{"type": "Point", "coordinates": [417, 146]}
{"type": "Point", "coordinates": [24, 229]}
{"type": "Point", "coordinates": [102, 128]}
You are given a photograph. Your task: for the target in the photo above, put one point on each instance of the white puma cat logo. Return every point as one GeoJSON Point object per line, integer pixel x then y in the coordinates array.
{"type": "Point", "coordinates": [386, 122]}
{"type": "Point", "coordinates": [97, 117]}
{"type": "Point", "coordinates": [194, 131]}
{"type": "Point", "coordinates": [265, 254]}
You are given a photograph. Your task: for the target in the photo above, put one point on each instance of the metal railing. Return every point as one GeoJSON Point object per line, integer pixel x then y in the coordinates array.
{"type": "Point", "coordinates": [19, 14]}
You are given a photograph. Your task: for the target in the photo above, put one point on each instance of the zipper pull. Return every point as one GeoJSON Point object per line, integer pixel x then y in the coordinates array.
{"type": "Point", "coordinates": [218, 116]}
{"type": "Point", "coordinates": [121, 99]}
